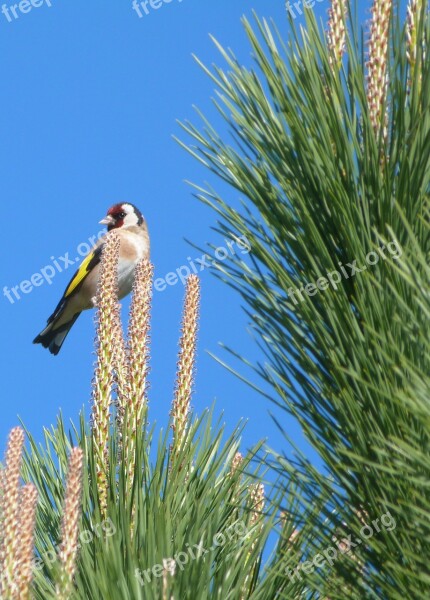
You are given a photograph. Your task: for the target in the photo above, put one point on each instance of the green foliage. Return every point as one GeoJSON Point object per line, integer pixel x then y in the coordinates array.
{"type": "Point", "coordinates": [350, 359]}
{"type": "Point", "coordinates": [201, 516]}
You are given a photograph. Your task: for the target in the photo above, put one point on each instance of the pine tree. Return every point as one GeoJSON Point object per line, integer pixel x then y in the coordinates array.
{"type": "Point", "coordinates": [330, 159]}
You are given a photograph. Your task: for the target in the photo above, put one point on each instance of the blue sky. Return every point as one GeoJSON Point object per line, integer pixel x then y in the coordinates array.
{"type": "Point", "coordinates": [91, 95]}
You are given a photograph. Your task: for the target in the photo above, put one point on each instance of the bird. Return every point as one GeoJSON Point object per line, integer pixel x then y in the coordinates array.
{"type": "Point", "coordinates": [81, 292]}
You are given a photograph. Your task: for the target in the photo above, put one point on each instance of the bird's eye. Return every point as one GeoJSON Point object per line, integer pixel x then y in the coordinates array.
{"type": "Point", "coordinates": [121, 215]}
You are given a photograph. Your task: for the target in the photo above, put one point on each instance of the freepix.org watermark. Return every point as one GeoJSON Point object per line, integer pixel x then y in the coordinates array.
{"type": "Point", "coordinates": [333, 278]}
{"type": "Point", "coordinates": [345, 545]}
{"type": "Point", "coordinates": [294, 8]}
{"type": "Point", "coordinates": [205, 261]}
{"type": "Point", "coordinates": [47, 273]}
{"type": "Point", "coordinates": [57, 265]}
{"type": "Point", "coordinates": [14, 11]}
{"type": "Point", "coordinates": [238, 531]}
{"type": "Point", "coordinates": [100, 530]}
{"type": "Point", "coordinates": [146, 7]}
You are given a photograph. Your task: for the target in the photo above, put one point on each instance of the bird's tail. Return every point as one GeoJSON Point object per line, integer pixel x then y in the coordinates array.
{"type": "Point", "coordinates": [53, 337]}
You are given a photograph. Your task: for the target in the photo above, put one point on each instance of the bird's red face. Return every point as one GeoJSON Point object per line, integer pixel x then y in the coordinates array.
{"type": "Point", "coordinates": [122, 215]}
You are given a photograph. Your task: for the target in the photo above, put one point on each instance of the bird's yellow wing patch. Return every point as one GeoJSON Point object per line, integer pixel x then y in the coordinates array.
{"type": "Point", "coordinates": [86, 266]}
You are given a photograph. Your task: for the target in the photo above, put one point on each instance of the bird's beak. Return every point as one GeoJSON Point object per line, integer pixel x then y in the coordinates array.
{"type": "Point", "coordinates": [108, 220]}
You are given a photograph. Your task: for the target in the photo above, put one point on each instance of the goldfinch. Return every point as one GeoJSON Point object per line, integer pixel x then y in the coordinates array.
{"type": "Point", "coordinates": [81, 292]}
